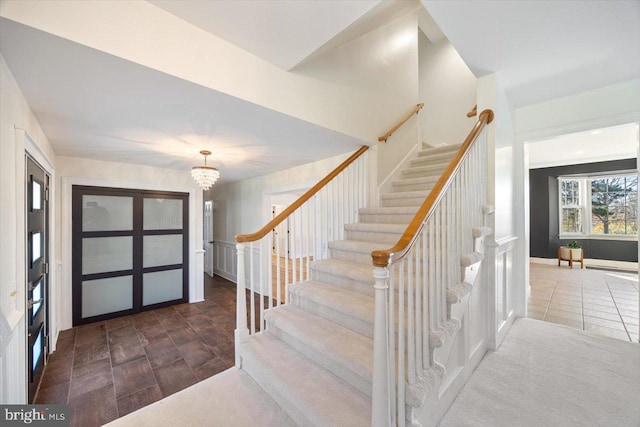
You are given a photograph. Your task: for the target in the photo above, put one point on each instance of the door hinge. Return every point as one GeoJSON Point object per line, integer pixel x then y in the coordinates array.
{"type": "Point", "coordinates": [46, 194]}
{"type": "Point", "coordinates": [45, 268]}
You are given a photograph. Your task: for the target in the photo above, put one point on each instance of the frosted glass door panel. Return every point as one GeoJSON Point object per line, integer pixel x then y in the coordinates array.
{"type": "Point", "coordinates": [104, 254]}
{"type": "Point", "coordinates": [162, 214]}
{"type": "Point", "coordinates": [161, 286]}
{"type": "Point", "coordinates": [104, 296]}
{"type": "Point", "coordinates": [162, 250]}
{"type": "Point", "coordinates": [107, 213]}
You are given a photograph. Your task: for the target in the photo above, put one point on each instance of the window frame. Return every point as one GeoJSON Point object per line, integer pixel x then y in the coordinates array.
{"type": "Point", "coordinates": [586, 207]}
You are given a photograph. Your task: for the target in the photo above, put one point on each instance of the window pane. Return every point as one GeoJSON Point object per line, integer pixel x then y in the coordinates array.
{"type": "Point", "coordinates": [36, 295]}
{"type": "Point", "coordinates": [614, 205]}
{"type": "Point", "coordinates": [36, 351]}
{"type": "Point", "coordinates": [571, 220]}
{"type": "Point", "coordinates": [106, 295]}
{"type": "Point", "coordinates": [161, 286]}
{"type": "Point", "coordinates": [570, 192]}
{"type": "Point", "coordinates": [162, 214]}
{"type": "Point", "coordinates": [36, 246]}
{"type": "Point", "coordinates": [36, 195]}
{"type": "Point", "coordinates": [162, 250]}
{"type": "Point", "coordinates": [103, 254]}
{"type": "Point", "coordinates": [107, 213]}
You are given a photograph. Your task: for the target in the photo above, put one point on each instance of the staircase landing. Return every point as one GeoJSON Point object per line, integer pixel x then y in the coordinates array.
{"type": "Point", "coordinates": [551, 375]}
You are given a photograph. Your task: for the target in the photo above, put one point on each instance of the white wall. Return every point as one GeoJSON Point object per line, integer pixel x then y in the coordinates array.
{"type": "Point", "coordinates": [382, 62]}
{"type": "Point", "coordinates": [448, 89]}
{"type": "Point", "coordinates": [14, 113]}
{"type": "Point", "coordinates": [507, 265]}
{"type": "Point", "coordinates": [74, 171]}
{"type": "Point", "coordinates": [243, 207]}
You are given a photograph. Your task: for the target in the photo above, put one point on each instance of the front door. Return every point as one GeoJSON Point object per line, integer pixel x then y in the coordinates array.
{"type": "Point", "coordinates": [37, 272]}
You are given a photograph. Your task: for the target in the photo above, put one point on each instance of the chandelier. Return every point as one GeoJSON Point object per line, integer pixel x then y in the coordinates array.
{"type": "Point", "coordinates": [205, 175]}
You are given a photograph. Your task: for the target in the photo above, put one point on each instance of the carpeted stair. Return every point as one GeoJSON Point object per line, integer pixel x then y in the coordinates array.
{"type": "Point", "coordinates": [316, 357]}
{"type": "Point", "coordinates": [313, 365]}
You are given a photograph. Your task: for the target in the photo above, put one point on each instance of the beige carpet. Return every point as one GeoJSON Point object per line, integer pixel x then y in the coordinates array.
{"type": "Point", "coordinates": [230, 398]}
{"type": "Point", "coordinates": [551, 375]}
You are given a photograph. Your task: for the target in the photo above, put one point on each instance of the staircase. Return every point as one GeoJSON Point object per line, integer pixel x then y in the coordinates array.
{"type": "Point", "coordinates": [364, 336]}
{"type": "Point", "coordinates": [315, 358]}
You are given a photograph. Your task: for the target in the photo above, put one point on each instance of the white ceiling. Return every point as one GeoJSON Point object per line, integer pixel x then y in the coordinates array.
{"type": "Point", "coordinates": [613, 143]}
{"type": "Point", "coordinates": [544, 49]}
{"type": "Point", "coordinates": [283, 32]}
{"type": "Point", "coordinates": [93, 105]}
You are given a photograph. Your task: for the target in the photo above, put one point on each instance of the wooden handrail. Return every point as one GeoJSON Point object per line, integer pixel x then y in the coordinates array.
{"type": "Point", "coordinates": [242, 238]}
{"type": "Point", "coordinates": [386, 136]}
{"type": "Point", "coordinates": [386, 257]}
{"type": "Point", "coordinates": [473, 112]}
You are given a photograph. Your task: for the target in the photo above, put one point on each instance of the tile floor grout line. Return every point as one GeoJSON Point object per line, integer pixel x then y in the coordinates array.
{"type": "Point", "coordinates": [113, 378]}
{"type": "Point", "coordinates": [617, 309]}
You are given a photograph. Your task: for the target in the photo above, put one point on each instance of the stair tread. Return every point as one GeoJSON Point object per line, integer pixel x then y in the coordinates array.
{"type": "Point", "coordinates": [358, 246]}
{"type": "Point", "coordinates": [351, 270]}
{"type": "Point", "coordinates": [375, 227]}
{"type": "Point", "coordinates": [441, 149]}
{"type": "Point", "coordinates": [339, 347]}
{"type": "Point", "coordinates": [405, 194]}
{"type": "Point", "coordinates": [351, 303]}
{"type": "Point", "coordinates": [311, 395]}
{"type": "Point", "coordinates": [390, 210]}
{"type": "Point", "coordinates": [420, 180]}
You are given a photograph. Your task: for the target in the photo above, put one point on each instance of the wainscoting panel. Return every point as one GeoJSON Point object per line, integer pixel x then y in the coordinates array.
{"type": "Point", "coordinates": [224, 260]}
{"type": "Point", "coordinates": [12, 363]}
{"type": "Point", "coordinates": [504, 290]}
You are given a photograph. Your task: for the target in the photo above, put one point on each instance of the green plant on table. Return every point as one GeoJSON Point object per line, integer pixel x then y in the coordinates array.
{"type": "Point", "coordinates": [574, 245]}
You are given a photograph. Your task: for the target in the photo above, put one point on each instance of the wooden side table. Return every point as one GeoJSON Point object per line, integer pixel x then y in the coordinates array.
{"type": "Point", "coordinates": [568, 254]}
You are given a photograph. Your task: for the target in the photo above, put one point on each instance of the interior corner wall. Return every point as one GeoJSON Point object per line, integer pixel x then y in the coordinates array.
{"type": "Point", "coordinates": [76, 171]}
{"type": "Point", "coordinates": [383, 62]}
{"type": "Point", "coordinates": [448, 89]}
{"type": "Point", "coordinates": [507, 160]}
{"type": "Point", "coordinates": [15, 114]}
{"type": "Point", "coordinates": [545, 220]}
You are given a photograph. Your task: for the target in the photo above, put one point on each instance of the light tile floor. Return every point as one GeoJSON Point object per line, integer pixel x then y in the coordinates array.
{"type": "Point", "coordinates": [605, 302]}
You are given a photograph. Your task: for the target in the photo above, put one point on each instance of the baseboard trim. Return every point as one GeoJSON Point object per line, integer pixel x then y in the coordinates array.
{"type": "Point", "coordinates": [592, 263]}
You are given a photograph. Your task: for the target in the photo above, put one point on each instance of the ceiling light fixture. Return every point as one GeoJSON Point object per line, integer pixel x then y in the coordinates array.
{"type": "Point", "coordinates": [205, 175]}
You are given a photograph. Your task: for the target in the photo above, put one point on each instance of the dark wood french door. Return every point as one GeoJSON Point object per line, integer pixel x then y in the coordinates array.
{"type": "Point", "coordinates": [37, 185]}
{"type": "Point", "coordinates": [130, 251]}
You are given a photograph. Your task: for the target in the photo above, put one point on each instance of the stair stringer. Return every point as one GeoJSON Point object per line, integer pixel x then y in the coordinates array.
{"type": "Point", "coordinates": [462, 349]}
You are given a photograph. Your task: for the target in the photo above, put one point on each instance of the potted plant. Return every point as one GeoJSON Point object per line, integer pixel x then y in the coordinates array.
{"type": "Point", "coordinates": [571, 252]}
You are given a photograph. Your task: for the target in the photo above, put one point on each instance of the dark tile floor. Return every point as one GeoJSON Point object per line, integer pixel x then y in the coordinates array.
{"type": "Point", "coordinates": [108, 369]}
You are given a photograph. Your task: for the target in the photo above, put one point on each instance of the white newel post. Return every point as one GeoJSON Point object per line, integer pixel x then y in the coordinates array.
{"type": "Point", "coordinates": [380, 400]}
{"type": "Point", "coordinates": [241, 332]}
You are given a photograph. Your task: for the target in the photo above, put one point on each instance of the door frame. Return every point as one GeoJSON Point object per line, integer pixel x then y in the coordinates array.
{"type": "Point", "coordinates": [137, 234]}
{"type": "Point", "coordinates": [196, 253]}
{"type": "Point", "coordinates": [32, 150]}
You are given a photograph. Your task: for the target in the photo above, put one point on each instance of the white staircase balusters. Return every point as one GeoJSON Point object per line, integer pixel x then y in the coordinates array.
{"type": "Point", "coordinates": [308, 228]}
{"type": "Point", "coordinates": [427, 279]}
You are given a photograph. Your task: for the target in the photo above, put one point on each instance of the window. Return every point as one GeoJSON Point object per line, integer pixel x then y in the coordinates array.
{"type": "Point", "coordinates": [599, 206]}
{"type": "Point", "coordinates": [571, 206]}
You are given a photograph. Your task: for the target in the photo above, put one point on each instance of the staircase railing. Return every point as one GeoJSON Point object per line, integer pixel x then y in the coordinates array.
{"type": "Point", "coordinates": [306, 226]}
{"type": "Point", "coordinates": [398, 125]}
{"type": "Point", "coordinates": [425, 274]}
